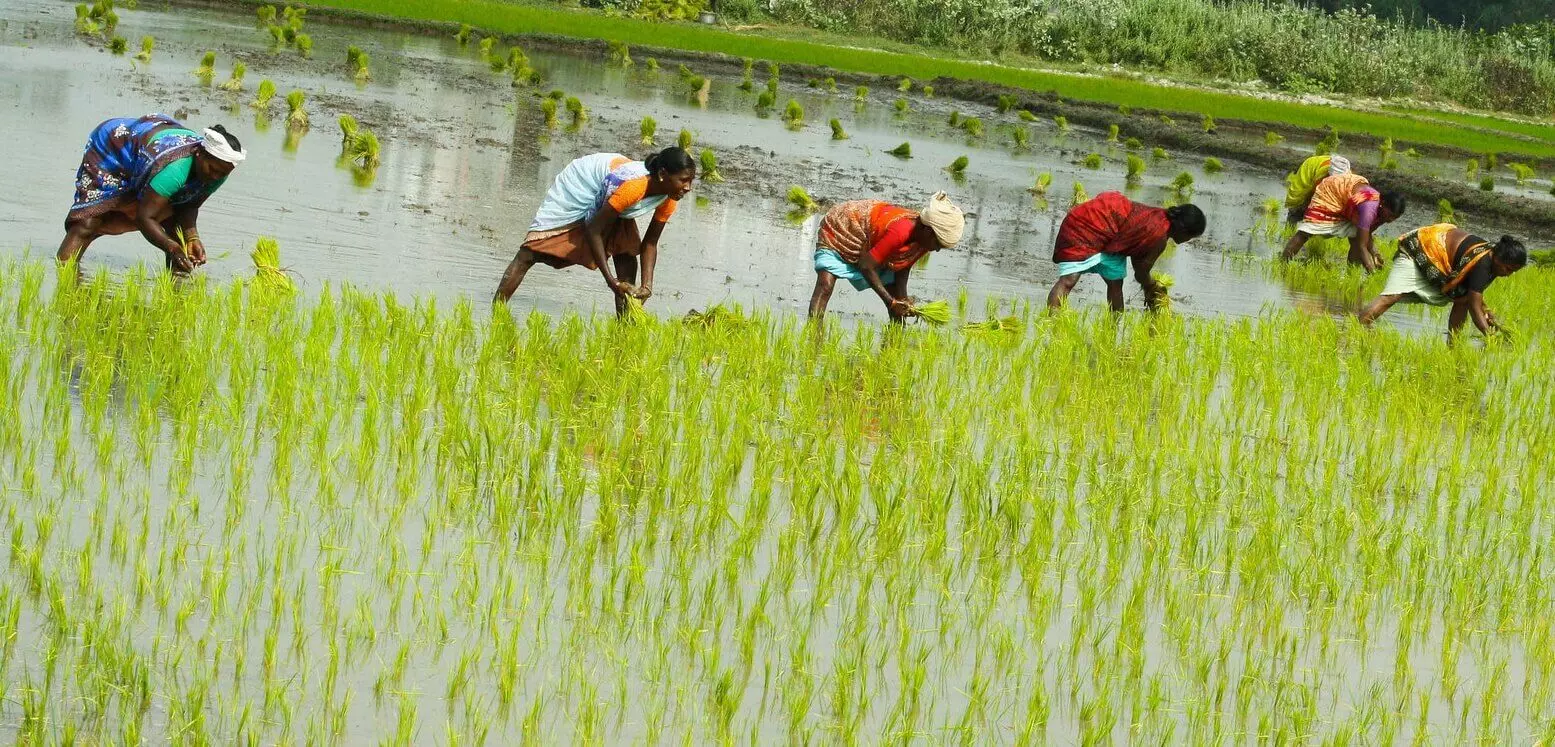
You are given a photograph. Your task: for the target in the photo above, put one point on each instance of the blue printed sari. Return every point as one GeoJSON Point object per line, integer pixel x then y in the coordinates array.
{"type": "Point", "coordinates": [123, 155]}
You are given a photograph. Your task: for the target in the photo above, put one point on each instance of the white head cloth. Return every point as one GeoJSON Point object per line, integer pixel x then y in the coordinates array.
{"type": "Point", "coordinates": [216, 144]}
{"type": "Point", "coordinates": [945, 218]}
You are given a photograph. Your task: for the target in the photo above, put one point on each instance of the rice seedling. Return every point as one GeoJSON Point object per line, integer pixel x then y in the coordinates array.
{"type": "Point", "coordinates": [1444, 212]}
{"type": "Point", "coordinates": [1025, 115]}
{"type": "Point", "coordinates": [1471, 169]}
{"type": "Point", "coordinates": [207, 68]}
{"type": "Point", "coordinates": [1079, 195]}
{"type": "Point", "coordinates": [1212, 165]}
{"type": "Point", "coordinates": [955, 118]}
{"type": "Point", "coordinates": [264, 95]}
{"type": "Point", "coordinates": [1006, 103]}
{"type": "Point", "coordinates": [462, 36]}
{"type": "Point", "coordinates": [936, 313]}
{"type": "Point", "coordinates": [1491, 161]}
{"type": "Point", "coordinates": [1136, 169]}
{"type": "Point", "coordinates": [1043, 182]}
{"type": "Point", "coordinates": [904, 85]}
{"type": "Point", "coordinates": [304, 45]}
{"type": "Point", "coordinates": [829, 84]}
{"type": "Point", "coordinates": [548, 108]}
{"type": "Point", "coordinates": [576, 110]}
{"type": "Point", "coordinates": [235, 83]}
{"type": "Point", "coordinates": [85, 24]}
{"type": "Point", "coordinates": [147, 43]}
{"type": "Point", "coordinates": [1388, 163]}
{"type": "Point", "coordinates": [647, 130]}
{"type": "Point", "coordinates": [1092, 161]}
{"type": "Point", "coordinates": [1006, 326]}
{"type": "Point", "coordinates": [685, 139]}
{"type": "Point", "coordinates": [621, 54]}
{"type": "Point", "coordinates": [488, 45]}
{"type": "Point", "coordinates": [928, 91]}
{"type": "Point", "coordinates": [861, 94]}
{"type": "Point", "coordinates": [1207, 125]}
{"type": "Point", "coordinates": [296, 115]}
{"type": "Point", "coordinates": [1160, 154]}
{"type": "Point", "coordinates": [973, 126]}
{"type": "Point", "coordinates": [765, 102]}
{"type": "Point", "coordinates": [1182, 184]}
{"type": "Point", "coordinates": [837, 133]}
{"type": "Point", "coordinates": [348, 129]}
{"type": "Point", "coordinates": [1133, 144]}
{"type": "Point", "coordinates": [957, 168]}
{"type": "Point", "coordinates": [265, 14]}
{"type": "Point", "coordinates": [1112, 133]}
{"type": "Point", "coordinates": [268, 273]}
{"type": "Point", "coordinates": [1272, 138]}
{"type": "Point", "coordinates": [709, 171]}
{"type": "Point", "coordinates": [118, 45]}
{"type": "Point", "coordinates": [901, 106]}
{"type": "Point", "coordinates": [652, 65]}
{"type": "Point", "coordinates": [1487, 183]}
{"type": "Point", "coordinates": [1522, 171]}
{"type": "Point", "coordinates": [277, 36]}
{"type": "Point", "coordinates": [800, 200]}
{"type": "Point", "coordinates": [793, 114]}
{"type": "Point", "coordinates": [1021, 138]}
{"type": "Point", "coordinates": [1329, 143]}
{"type": "Point", "coordinates": [364, 150]}
{"type": "Point", "coordinates": [901, 151]}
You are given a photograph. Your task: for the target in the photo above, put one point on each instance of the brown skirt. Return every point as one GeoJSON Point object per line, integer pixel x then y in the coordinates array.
{"type": "Point", "coordinates": [569, 245]}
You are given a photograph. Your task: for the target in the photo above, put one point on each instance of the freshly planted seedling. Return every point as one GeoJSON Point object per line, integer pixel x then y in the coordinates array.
{"type": "Point", "coordinates": [1329, 143]}
{"type": "Point", "coordinates": [973, 126]}
{"type": "Point", "coordinates": [1183, 184]}
{"type": "Point", "coordinates": [1207, 125]}
{"type": "Point", "coordinates": [296, 115]}
{"type": "Point", "coordinates": [147, 43]}
{"type": "Point", "coordinates": [207, 68]}
{"type": "Point", "coordinates": [904, 85]}
{"type": "Point", "coordinates": [1026, 115]}
{"type": "Point", "coordinates": [765, 101]}
{"type": "Point", "coordinates": [955, 118]}
{"type": "Point", "coordinates": [305, 45]}
{"type": "Point", "coordinates": [647, 129]}
{"type": "Point", "coordinates": [1021, 138]}
{"type": "Point", "coordinates": [793, 114]}
{"type": "Point", "coordinates": [957, 168]}
{"type": "Point", "coordinates": [902, 151]}
{"type": "Point", "coordinates": [266, 14]}
{"type": "Point", "coordinates": [901, 106]}
{"type": "Point", "coordinates": [1212, 165]}
{"type": "Point", "coordinates": [1133, 144]}
{"type": "Point", "coordinates": [576, 110]}
{"type": "Point", "coordinates": [364, 150]}
{"type": "Point", "coordinates": [462, 36]}
{"type": "Point", "coordinates": [118, 45]}
{"type": "Point", "coordinates": [1471, 169]}
{"type": "Point", "coordinates": [235, 83]}
{"type": "Point", "coordinates": [1272, 138]}
{"type": "Point", "coordinates": [264, 95]}
{"type": "Point", "coordinates": [1136, 169]}
{"type": "Point", "coordinates": [1112, 133]}
{"type": "Point", "coordinates": [1167, 120]}
{"type": "Point", "coordinates": [709, 163]}
{"type": "Point", "coordinates": [1043, 183]}
{"type": "Point", "coordinates": [1487, 183]}
{"type": "Point", "coordinates": [800, 200]}
{"type": "Point", "coordinates": [1080, 194]}
{"type": "Point", "coordinates": [1062, 122]}
{"type": "Point", "coordinates": [1006, 103]}
{"type": "Point", "coordinates": [685, 139]}
{"type": "Point", "coordinates": [1444, 212]}
{"type": "Point", "coordinates": [620, 54]}
{"type": "Point", "coordinates": [548, 108]}
{"type": "Point", "coordinates": [348, 129]}
{"type": "Point", "coordinates": [1522, 172]}
{"type": "Point", "coordinates": [928, 92]}
{"type": "Point", "coordinates": [1092, 161]}
{"type": "Point", "coordinates": [837, 133]}
{"type": "Point", "coordinates": [861, 94]}
{"type": "Point", "coordinates": [1160, 154]}
{"type": "Point", "coordinates": [830, 84]}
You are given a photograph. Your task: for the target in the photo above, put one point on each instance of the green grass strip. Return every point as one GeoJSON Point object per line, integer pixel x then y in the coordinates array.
{"type": "Point", "coordinates": [510, 18]}
{"type": "Point", "coordinates": [1531, 129]}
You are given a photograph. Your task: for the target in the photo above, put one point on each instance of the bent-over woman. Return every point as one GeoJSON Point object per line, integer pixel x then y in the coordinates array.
{"type": "Point", "coordinates": [1346, 205]}
{"type": "Point", "coordinates": [1444, 264]}
{"type": "Point", "coordinates": [589, 218]}
{"type": "Point", "coordinates": [1300, 185]}
{"type": "Point", "coordinates": [1104, 234]}
{"type": "Point", "coordinates": [150, 175]}
{"type": "Point", "coordinates": [874, 244]}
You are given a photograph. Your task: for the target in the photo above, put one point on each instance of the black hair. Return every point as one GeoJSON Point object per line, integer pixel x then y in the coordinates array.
{"type": "Point", "coordinates": [1186, 219]}
{"type": "Point", "coordinates": [232, 140]}
{"type": "Point", "coordinates": [1511, 252]}
{"type": "Point", "coordinates": [1395, 203]}
{"type": "Point", "coordinates": [673, 159]}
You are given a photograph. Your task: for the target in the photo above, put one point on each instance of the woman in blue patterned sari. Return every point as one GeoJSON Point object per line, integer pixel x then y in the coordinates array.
{"type": "Point", "coordinates": [149, 175]}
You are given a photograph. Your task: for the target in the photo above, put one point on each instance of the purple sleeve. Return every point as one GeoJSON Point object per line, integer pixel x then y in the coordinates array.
{"type": "Point", "coordinates": [1366, 215]}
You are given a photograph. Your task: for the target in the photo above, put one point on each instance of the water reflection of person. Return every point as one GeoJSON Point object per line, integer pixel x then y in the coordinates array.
{"type": "Point", "coordinates": [874, 244]}
{"type": "Point", "coordinates": [590, 215]}
{"type": "Point", "coordinates": [1102, 235]}
{"type": "Point", "coordinates": [149, 175]}
{"type": "Point", "coordinates": [1444, 264]}
{"type": "Point", "coordinates": [1342, 204]}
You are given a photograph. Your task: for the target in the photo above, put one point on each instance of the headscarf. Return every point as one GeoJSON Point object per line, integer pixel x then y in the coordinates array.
{"type": "Point", "coordinates": [217, 145]}
{"type": "Point", "coordinates": [944, 218]}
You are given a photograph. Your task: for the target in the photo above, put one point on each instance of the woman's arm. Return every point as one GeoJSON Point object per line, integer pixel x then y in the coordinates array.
{"type": "Point", "coordinates": [1143, 265]}
{"type": "Point", "coordinates": [187, 217]}
{"type": "Point", "coordinates": [594, 233]}
{"type": "Point", "coordinates": [649, 258]}
{"type": "Point", "coordinates": [896, 307]}
{"type": "Point", "coordinates": [151, 205]}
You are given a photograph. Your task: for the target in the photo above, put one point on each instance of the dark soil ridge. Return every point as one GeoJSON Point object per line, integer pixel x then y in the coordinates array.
{"type": "Point", "coordinates": [1512, 210]}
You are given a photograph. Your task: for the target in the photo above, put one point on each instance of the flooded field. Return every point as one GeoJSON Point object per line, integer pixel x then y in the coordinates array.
{"type": "Point", "coordinates": [466, 161]}
{"type": "Point", "coordinates": [375, 513]}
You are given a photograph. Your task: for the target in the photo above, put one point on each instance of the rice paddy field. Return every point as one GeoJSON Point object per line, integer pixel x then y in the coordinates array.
{"type": "Point", "coordinates": [372, 510]}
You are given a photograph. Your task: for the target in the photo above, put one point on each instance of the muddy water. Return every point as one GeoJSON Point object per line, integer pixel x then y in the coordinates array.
{"type": "Point", "coordinates": [466, 161]}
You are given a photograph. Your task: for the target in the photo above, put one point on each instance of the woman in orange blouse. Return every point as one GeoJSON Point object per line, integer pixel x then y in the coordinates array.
{"type": "Point", "coordinates": [874, 244]}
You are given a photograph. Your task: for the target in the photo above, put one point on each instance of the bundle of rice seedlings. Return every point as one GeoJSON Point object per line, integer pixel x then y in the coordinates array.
{"type": "Point", "coordinates": [765, 101]}
{"type": "Point", "coordinates": [362, 75]}
{"type": "Point", "coordinates": [463, 35]}
{"type": "Point", "coordinates": [902, 106]}
{"type": "Point", "coordinates": [1000, 325]}
{"type": "Point", "coordinates": [709, 161]}
{"type": "Point", "coordinates": [1062, 123]}
{"type": "Point", "coordinates": [268, 273]}
{"type": "Point", "coordinates": [973, 126]}
{"type": "Point", "coordinates": [793, 114]}
{"type": "Point", "coordinates": [837, 133]}
{"type": "Point", "coordinates": [958, 166]}
{"type": "Point", "coordinates": [235, 83]}
{"type": "Point", "coordinates": [296, 116]}
{"type": "Point", "coordinates": [1445, 213]}
{"type": "Point", "coordinates": [1022, 138]}
{"type": "Point", "coordinates": [364, 150]}
{"type": "Point", "coordinates": [1212, 165]}
{"type": "Point", "coordinates": [717, 315]}
{"type": "Point", "coordinates": [576, 109]}
{"type": "Point", "coordinates": [955, 118]}
{"type": "Point", "coordinates": [685, 139]}
{"type": "Point", "coordinates": [928, 92]}
{"type": "Point", "coordinates": [1080, 195]}
{"type": "Point", "coordinates": [620, 54]}
{"type": "Point", "coordinates": [348, 129]}
{"type": "Point", "coordinates": [1208, 125]}
{"type": "Point", "coordinates": [1183, 184]}
{"type": "Point", "coordinates": [1006, 103]}
{"type": "Point", "coordinates": [1162, 279]}
{"type": "Point", "coordinates": [1136, 169]}
{"type": "Point", "coordinates": [147, 43]}
{"type": "Point", "coordinates": [1487, 184]}
{"type": "Point", "coordinates": [1160, 154]}
{"type": "Point", "coordinates": [800, 199]}
{"type": "Point", "coordinates": [648, 128]}
{"type": "Point", "coordinates": [1043, 183]}
{"type": "Point", "coordinates": [902, 151]}
{"type": "Point", "coordinates": [936, 313]}
{"type": "Point", "coordinates": [1112, 133]}
{"type": "Point", "coordinates": [861, 93]}
{"type": "Point", "coordinates": [266, 14]}
{"type": "Point", "coordinates": [1026, 116]}
{"type": "Point", "coordinates": [305, 45]}
{"type": "Point", "coordinates": [635, 313]}
{"type": "Point", "coordinates": [118, 45]}
{"type": "Point", "coordinates": [1092, 161]}
{"type": "Point", "coordinates": [548, 107]}
{"type": "Point", "coordinates": [1133, 143]}
{"type": "Point", "coordinates": [264, 95]}
{"type": "Point", "coordinates": [1272, 138]}
{"type": "Point", "coordinates": [904, 85]}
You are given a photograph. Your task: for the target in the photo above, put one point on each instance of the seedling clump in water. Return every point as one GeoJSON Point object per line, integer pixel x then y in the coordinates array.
{"type": "Point", "coordinates": [265, 93]}
{"type": "Point", "coordinates": [296, 115]}
{"type": "Point", "coordinates": [837, 133]}
{"type": "Point", "coordinates": [793, 114]}
{"type": "Point", "coordinates": [800, 199]}
{"type": "Point", "coordinates": [709, 162]}
{"type": "Point", "coordinates": [685, 140]}
{"type": "Point", "coordinates": [647, 129]}
{"type": "Point", "coordinates": [207, 68]}
{"type": "Point", "coordinates": [902, 151]}
{"type": "Point", "coordinates": [147, 43]}
{"type": "Point", "coordinates": [235, 83]}
{"type": "Point", "coordinates": [1212, 165]}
